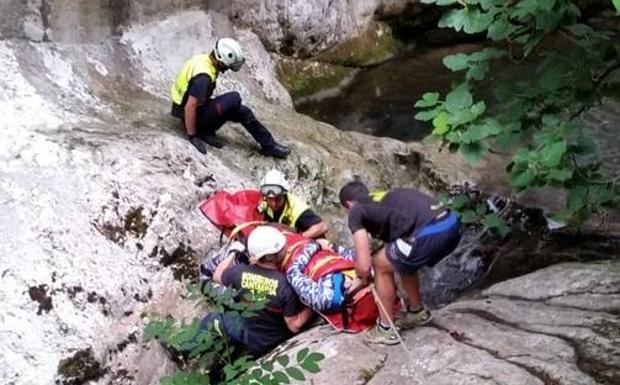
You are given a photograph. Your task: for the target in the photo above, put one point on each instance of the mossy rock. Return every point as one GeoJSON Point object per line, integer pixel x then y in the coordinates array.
{"type": "Point", "coordinates": [375, 45]}
{"type": "Point", "coordinates": [79, 368]}
{"type": "Point", "coordinates": [306, 77]}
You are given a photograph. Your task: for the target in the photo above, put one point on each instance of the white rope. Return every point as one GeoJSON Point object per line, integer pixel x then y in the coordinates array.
{"type": "Point", "coordinates": [393, 326]}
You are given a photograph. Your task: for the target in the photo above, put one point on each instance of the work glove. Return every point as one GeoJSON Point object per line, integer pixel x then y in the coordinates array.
{"type": "Point", "coordinates": [199, 144]}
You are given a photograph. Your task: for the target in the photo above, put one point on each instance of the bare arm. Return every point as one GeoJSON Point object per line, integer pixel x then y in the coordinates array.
{"type": "Point", "coordinates": [225, 264]}
{"type": "Point", "coordinates": [190, 115]}
{"type": "Point", "coordinates": [296, 322]}
{"type": "Point", "coordinates": [316, 230]}
{"type": "Point", "coordinates": [362, 252]}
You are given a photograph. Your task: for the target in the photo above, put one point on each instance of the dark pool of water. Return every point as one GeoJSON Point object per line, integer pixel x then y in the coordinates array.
{"type": "Point", "coordinates": [379, 101]}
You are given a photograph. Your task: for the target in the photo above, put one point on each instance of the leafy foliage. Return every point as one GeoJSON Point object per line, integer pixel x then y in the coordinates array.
{"type": "Point", "coordinates": [535, 119]}
{"type": "Point", "coordinates": [207, 351]}
{"type": "Point", "coordinates": [472, 212]}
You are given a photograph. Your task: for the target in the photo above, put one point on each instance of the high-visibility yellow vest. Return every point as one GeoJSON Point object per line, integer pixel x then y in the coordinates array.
{"type": "Point", "coordinates": [377, 196]}
{"type": "Point", "coordinates": [199, 64]}
{"type": "Point", "coordinates": [293, 208]}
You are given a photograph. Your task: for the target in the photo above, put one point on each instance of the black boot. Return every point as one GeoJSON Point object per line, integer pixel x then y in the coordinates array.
{"type": "Point", "coordinates": [212, 140]}
{"type": "Point", "coordinates": [276, 150]}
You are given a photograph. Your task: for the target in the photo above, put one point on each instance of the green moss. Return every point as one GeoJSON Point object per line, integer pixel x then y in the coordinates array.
{"type": "Point", "coordinates": [135, 222]}
{"type": "Point", "coordinates": [80, 368]}
{"type": "Point", "coordinates": [306, 77]}
{"type": "Point", "coordinates": [375, 45]}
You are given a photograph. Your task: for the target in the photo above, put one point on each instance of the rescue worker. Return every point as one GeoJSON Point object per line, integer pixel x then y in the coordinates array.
{"type": "Point", "coordinates": [417, 232]}
{"type": "Point", "coordinates": [280, 206]}
{"type": "Point", "coordinates": [203, 115]}
{"type": "Point", "coordinates": [284, 314]}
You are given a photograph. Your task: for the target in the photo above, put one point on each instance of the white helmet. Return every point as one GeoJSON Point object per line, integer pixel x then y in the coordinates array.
{"type": "Point", "coordinates": [264, 240]}
{"type": "Point", "coordinates": [274, 183]}
{"type": "Point", "coordinates": [228, 52]}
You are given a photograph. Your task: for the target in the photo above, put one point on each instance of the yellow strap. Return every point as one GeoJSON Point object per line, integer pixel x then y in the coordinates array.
{"type": "Point", "coordinates": [236, 230]}
{"type": "Point", "coordinates": [325, 260]}
{"type": "Point", "coordinates": [289, 251]}
{"type": "Point", "coordinates": [349, 273]}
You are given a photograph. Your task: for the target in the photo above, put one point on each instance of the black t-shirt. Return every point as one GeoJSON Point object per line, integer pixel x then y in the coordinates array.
{"type": "Point", "coordinates": [268, 328]}
{"type": "Point", "coordinates": [201, 87]}
{"type": "Point", "coordinates": [401, 212]}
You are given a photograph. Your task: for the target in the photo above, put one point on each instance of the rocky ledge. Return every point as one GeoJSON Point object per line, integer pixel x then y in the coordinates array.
{"type": "Point", "coordinates": [556, 326]}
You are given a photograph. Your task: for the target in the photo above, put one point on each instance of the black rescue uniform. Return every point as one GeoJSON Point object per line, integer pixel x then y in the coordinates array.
{"type": "Point", "coordinates": [267, 329]}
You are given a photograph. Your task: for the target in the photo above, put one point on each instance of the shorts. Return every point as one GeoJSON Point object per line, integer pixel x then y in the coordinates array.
{"type": "Point", "coordinates": [426, 246]}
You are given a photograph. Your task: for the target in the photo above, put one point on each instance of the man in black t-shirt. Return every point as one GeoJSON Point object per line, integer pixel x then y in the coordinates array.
{"type": "Point", "coordinates": [417, 232]}
{"type": "Point", "coordinates": [284, 314]}
{"type": "Point", "coordinates": [203, 115]}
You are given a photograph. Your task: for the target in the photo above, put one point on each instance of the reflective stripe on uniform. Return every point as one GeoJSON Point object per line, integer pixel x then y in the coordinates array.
{"type": "Point", "coordinates": [199, 64]}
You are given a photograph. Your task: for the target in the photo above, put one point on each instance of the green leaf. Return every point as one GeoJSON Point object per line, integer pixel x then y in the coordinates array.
{"type": "Point", "coordinates": [454, 18]}
{"type": "Point", "coordinates": [553, 153]}
{"type": "Point", "coordinates": [560, 175]}
{"type": "Point", "coordinates": [616, 4]}
{"type": "Point", "coordinates": [522, 178]}
{"type": "Point", "coordinates": [478, 132]}
{"type": "Point", "coordinates": [456, 62]}
{"type": "Point", "coordinates": [468, 216]}
{"type": "Point", "coordinates": [429, 99]}
{"type": "Point", "coordinates": [478, 108]}
{"type": "Point", "coordinates": [473, 152]}
{"type": "Point", "coordinates": [310, 367]}
{"type": "Point", "coordinates": [500, 29]}
{"type": "Point", "coordinates": [282, 359]}
{"type": "Point", "coordinates": [295, 373]}
{"type": "Point", "coordinates": [301, 355]}
{"type": "Point", "coordinates": [496, 224]}
{"type": "Point", "coordinates": [427, 114]}
{"type": "Point", "coordinates": [459, 202]}
{"type": "Point", "coordinates": [279, 377]}
{"type": "Point", "coordinates": [477, 71]}
{"type": "Point", "coordinates": [315, 357]}
{"type": "Point", "coordinates": [461, 117]}
{"type": "Point", "coordinates": [474, 21]}
{"type": "Point", "coordinates": [267, 366]}
{"type": "Point", "coordinates": [441, 124]}
{"type": "Point", "coordinates": [459, 98]}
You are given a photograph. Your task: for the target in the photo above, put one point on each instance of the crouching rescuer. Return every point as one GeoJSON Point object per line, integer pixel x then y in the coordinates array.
{"type": "Point", "coordinates": [202, 114]}
{"type": "Point", "coordinates": [417, 232]}
{"type": "Point", "coordinates": [283, 315]}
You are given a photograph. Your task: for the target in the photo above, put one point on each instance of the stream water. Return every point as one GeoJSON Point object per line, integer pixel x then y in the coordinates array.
{"type": "Point", "coordinates": [380, 100]}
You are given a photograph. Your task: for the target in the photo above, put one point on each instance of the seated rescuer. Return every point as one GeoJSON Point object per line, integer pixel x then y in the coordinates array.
{"type": "Point", "coordinates": [280, 206]}
{"type": "Point", "coordinates": [416, 231]}
{"type": "Point", "coordinates": [284, 314]}
{"type": "Point", "coordinates": [203, 115]}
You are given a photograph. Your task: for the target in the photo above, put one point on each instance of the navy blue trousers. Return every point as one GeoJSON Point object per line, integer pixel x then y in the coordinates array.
{"type": "Point", "coordinates": [227, 107]}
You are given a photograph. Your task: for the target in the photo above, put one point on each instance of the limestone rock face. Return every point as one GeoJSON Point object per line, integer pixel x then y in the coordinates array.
{"type": "Point", "coordinates": [558, 325]}
{"type": "Point", "coordinates": [305, 27]}
{"type": "Point", "coordinates": [99, 187]}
